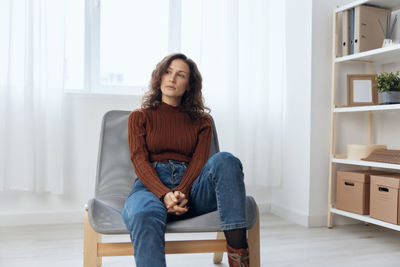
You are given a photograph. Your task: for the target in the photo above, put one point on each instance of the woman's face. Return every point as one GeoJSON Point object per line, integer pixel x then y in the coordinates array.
{"type": "Point", "coordinates": [175, 81]}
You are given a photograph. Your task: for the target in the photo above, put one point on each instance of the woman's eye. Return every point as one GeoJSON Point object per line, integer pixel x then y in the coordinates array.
{"type": "Point", "coordinates": [181, 75]}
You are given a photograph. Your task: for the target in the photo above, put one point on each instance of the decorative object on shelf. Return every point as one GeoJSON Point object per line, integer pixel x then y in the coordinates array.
{"type": "Point", "coordinates": [361, 90]}
{"type": "Point", "coordinates": [388, 85]}
{"type": "Point", "coordinates": [387, 42]}
{"type": "Point", "coordinates": [384, 155]}
{"type": "Point", "coordinates": [388, 31]}
{"type": "Point", "coordinates": [358, 151]}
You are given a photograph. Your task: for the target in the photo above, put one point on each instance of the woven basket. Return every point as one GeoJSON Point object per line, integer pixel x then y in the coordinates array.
{"type": "Point", "coordinates": [384, 155]}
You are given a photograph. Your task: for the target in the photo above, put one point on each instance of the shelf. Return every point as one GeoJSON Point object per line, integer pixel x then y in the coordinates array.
{"type": "Point", "coordinates": [367, 108]}
{"type": "Point", "coordinates": [385, 54]}
{"type": "Point", "coordinates": [390, 4]}
{"type": "Point", "coordinates": [366, 163]}
{"type": "Point", "coordinates": [371, 61]}
{"type": "Point", "coordinates": [366, 218]}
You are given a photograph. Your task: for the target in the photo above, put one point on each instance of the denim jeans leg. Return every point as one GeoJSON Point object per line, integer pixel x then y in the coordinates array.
{"type": "Point", "coordinates": [145, 217]}
{"type": "Point", "coordinates": [220, 186]}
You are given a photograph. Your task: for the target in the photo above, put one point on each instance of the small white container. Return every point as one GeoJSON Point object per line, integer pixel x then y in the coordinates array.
{"type": "Point", "coordinates": [387, 42]}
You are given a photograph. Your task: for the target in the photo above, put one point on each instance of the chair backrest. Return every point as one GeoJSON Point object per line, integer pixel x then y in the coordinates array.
{"type": "Point", "coordinates": [115, 174]}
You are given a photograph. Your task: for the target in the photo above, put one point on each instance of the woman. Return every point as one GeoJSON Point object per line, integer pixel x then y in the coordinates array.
{"type": "Point", "coordinates": [169, 142]}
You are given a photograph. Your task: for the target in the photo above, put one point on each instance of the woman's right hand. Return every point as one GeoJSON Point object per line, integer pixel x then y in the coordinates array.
{"type": "Point", "coordinates": [176, 203]}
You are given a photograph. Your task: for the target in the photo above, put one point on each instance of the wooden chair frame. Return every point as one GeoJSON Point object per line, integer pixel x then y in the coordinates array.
{"type": "Point", "coordinates": [94, 249]}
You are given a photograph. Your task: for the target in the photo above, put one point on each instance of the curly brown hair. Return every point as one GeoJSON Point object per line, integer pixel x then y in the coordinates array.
{"type": "Point", "coordinates": [192, 100]}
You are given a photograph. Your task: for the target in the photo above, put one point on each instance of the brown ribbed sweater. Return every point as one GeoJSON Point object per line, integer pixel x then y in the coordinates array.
{"type": "Point", "coordinates": [167, 133]}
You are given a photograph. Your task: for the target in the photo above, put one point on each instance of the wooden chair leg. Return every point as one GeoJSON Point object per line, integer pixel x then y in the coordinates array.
{"type": "Point", "coordinates": [219, 255]}
{"type": "Point", "coordinates": [91, 239]}
{"type": "Point", "coordinates": [253, 240]}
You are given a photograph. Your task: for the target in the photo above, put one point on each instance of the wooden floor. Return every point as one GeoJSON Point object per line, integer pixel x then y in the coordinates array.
{"type": "Point", "coordinates": [282, 244]}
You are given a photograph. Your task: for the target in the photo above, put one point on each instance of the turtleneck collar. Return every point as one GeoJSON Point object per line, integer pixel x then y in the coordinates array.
{"type": "Point", "coordinates": [167, 107]}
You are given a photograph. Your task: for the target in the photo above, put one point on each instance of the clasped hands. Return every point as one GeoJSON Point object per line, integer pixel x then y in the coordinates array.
{"type": "Point", "coordinates": [176, 203]}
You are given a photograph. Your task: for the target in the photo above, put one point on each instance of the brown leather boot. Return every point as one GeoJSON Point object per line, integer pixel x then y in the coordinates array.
{"type": "Point", "coordinates": [238, 257]}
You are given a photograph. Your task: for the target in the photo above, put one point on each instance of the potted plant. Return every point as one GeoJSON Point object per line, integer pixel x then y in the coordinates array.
{"type": "Point", "coordinates": [388, 85]}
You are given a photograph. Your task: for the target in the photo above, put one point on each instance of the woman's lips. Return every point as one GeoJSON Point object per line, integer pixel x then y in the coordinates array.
{"type": "Point", "coordinates": [170, 87]}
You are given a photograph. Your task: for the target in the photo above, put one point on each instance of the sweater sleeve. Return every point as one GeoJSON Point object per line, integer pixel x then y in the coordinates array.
{"type": "Point", "coordinates": [199, 158]}
{"type": "Point", "coordinates": [140, 155]}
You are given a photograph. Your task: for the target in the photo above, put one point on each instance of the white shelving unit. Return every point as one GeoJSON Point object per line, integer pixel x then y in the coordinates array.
{"type": "Point", "coordinates": [374, 57]}
{"type": "Point", "coordinates": [367, 108]}
{"type": "Point", "coordinates": [390, 4]}
{"type": "Point", "coordinates": [365, 218]}
{"type": "Point", "coordinates": [364, 163]}
{"type": "Point", "coordinates": [380, 55]}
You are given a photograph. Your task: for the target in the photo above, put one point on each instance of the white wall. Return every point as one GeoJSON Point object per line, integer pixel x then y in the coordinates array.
{"type": "Point", "coordinates": [303, 195]}
{"type": "Point", "coordinates": [290, 199]}
{"type": "Point", "coordinates": [320, 110]}
{"type": "Point", "coordinates": [322, 13]}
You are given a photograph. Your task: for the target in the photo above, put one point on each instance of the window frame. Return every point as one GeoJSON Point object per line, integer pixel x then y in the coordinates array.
{"type": "Point", "coordinates": [91, 82]}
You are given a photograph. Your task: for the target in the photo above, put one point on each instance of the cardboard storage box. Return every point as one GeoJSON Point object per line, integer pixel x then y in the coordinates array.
{"type": "Point", "coordinates": [385, 200]}
{"type": "Point", "coordinates": [353, 189]}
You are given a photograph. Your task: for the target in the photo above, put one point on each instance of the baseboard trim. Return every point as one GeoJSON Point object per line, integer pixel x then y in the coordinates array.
{"type": "Point", "coordinates": [322, 220]}
{"type": "Point", "coordinates": [264, 208]}
{"type": "Point", "coordinates": [289, 215]}
{"type": "Point", "coordinates": [316, 220]}
{"type": "Point", "coordinates": [41, 218]}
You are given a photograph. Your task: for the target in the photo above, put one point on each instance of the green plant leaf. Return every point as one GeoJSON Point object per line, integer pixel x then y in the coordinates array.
{"type": "Point", "coordinates": [387, 82]}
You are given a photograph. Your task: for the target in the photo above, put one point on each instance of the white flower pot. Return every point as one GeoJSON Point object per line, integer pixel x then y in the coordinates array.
{"type": "Point", "coordinates": [387, 42]}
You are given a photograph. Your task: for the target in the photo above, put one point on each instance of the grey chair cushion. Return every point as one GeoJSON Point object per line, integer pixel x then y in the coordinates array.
{"type": "Point", "coordinates": [107, 220]}
{"type": "Point", "coordinates": [115, 177]}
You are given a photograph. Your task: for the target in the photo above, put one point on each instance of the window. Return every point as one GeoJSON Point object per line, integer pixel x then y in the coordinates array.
{"type": "Point", "coordinates": [112, 46]}
{"type": "Point", "coordinates": [74, 77]}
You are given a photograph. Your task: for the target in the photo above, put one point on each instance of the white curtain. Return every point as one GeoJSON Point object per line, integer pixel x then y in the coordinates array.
{"type": "Point", "coordinates": [240, 49]}
{"type": "Point", "coordinates": [31, 95]}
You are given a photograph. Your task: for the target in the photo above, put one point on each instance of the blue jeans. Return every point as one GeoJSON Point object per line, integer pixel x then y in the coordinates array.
{"type": "Point", "coordinates": [219, 186]}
